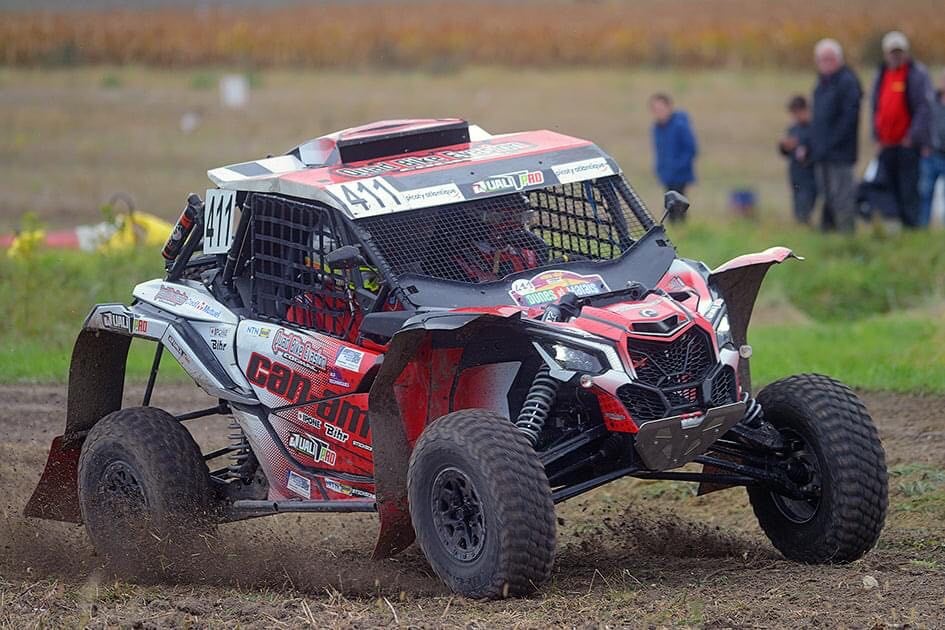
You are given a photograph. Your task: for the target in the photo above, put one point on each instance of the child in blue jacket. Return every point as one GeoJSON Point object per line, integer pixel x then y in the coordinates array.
{"type": "Point", "coordinates": [674, 145]}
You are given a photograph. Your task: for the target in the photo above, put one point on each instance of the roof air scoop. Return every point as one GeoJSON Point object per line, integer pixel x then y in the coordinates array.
{"type": "Point", "coordinates": [391, 138]}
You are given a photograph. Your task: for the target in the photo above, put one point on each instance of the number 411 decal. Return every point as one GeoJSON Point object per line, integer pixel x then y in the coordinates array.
{"type": "Point", "coordinates": [366, 197]}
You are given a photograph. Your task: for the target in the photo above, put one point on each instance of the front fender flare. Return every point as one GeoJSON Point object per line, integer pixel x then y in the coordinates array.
{"type": "Point", "coordinates": [96, 385]}
{"type": "Point", "coordinates": [738, 281]}
{"type": "Point", "coordinates": [391, 447]}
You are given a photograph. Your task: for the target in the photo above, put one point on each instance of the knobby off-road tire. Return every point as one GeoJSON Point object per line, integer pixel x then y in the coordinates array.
{"type": "Point", "coordinates": [144, 491]}
{"type": "Point", "coordinates": [840, 438]}
{"type": "Point", "coordinates": [481, 505]}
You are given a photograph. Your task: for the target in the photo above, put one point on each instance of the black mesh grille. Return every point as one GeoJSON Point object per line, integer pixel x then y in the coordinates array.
{"type": "Point", "coordinates": [289, 239]}
{"type": "Point", "coordinates": [671, 377]}
{"type": "Point", "coordinates": [482, 241]}
{"type": "Point", "coordinates": [724, 388]}
{"type": "Point", "coordinates": [644, 404]}
{"type": "Point", "coordinates": [683, 361]}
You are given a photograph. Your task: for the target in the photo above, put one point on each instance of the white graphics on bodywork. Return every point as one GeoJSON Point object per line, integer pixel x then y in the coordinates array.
{"type": "Point", "coordinates": [256, 169]}
{"type": "Point", "coordinates": [312, 446]}
{"type": "Point", "coordinates": [375, 195]}
{"type": "Point", "coordinates": [187, 299]}
{"type": "Point", "coordinates": [582, 169]}
{"type": "Point", "coordinates": [300, 485]}
{"type": "Point", "coordinates": [221, 339]}
{"type": "Point", "coordinates": [219, 214]}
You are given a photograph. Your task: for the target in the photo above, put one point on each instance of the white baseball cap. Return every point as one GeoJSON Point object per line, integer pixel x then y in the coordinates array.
{"type": "Point", "coordinates": [895, 40]}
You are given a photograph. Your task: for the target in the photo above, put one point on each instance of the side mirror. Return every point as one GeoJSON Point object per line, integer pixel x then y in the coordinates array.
{"type": "Point", "coordinates": [345, 257]}
{"type": "Point", "coordinates": [674, 203]}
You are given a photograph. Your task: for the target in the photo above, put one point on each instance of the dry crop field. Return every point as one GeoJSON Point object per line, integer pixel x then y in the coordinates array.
{"type": "Point", "coordinates": [445, 35]}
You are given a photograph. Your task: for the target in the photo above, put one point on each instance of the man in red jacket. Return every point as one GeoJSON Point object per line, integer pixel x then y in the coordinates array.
{"type": "Point", "coordinates": [902, 96]}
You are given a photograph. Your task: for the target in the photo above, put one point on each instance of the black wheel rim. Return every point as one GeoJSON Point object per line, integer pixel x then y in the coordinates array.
{"type": "Point", "coordinates": [457, 514]}
{"type": "Point", "coordinates": [120, 492]}
{"type": "Point", "coordinates": [803, 468]}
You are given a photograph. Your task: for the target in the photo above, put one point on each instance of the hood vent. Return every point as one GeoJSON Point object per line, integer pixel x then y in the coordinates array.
{"type": "Point", "coordinates": [662, 327]}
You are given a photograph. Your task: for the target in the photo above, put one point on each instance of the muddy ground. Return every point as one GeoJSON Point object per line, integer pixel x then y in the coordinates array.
{"type": "Point", "coordinates": [640, 554]}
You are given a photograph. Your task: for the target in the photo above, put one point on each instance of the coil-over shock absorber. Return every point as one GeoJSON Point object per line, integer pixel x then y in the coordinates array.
{"type": "Point", "coordinates": [240, 453]}
{"type": "Point", "coordinates": [537, 405]}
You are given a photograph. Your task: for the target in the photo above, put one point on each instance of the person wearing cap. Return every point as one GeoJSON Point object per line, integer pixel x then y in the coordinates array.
{"type": "Point", "coordinates": [834, 135]}
{"type": "Point", "coordinates": [902, 97]}
{"type": "Point", "coordinates": [932, 166]}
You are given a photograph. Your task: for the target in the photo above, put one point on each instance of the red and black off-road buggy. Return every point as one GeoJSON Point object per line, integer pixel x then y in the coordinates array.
{"type": "Point", "coordinates": [456, 330]}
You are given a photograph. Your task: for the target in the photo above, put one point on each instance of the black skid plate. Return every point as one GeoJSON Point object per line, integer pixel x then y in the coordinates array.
{"type": "Point", "coordinates": [673, 442]}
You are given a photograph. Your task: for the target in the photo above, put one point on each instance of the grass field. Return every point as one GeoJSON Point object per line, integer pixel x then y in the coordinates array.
{"type": "Point", "coordinates": [73, 137]}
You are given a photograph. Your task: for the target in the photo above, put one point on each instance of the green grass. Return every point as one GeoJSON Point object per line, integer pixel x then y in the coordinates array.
{"type": "Point", "coordinates": [888, 352]}
{"type": "Point", "coordinates": [839, 312]}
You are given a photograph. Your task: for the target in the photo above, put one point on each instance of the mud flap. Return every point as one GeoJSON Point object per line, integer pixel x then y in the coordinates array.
{"type": "Point", "coordinates": [738, 281]}
{"type": "Point", "coordinates": [391, 447]}
{"type": "Point", "coordinates": [96, 385]}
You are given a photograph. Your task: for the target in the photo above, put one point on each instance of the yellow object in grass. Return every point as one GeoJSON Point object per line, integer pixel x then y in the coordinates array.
{"type": "Point", "coordinates": [138, 229]}
{"type": "Point", "coordinates": [25, 243]}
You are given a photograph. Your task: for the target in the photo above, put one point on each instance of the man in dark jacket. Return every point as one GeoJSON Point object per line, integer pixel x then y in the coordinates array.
{"type": "Point", "coordinates": [933, 156]}
{"type": "Point", "coordinates": [674, 145]}
{"type": "Point", "coordinates": [834, 146]}
{"type": "Point", "coordinates": [902, 96]}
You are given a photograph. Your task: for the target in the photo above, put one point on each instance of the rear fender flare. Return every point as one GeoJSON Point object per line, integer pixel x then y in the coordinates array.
{"type": "Point", "coordinates": [392, 448]}
{"type": "Point", "coordinates": [738, 282]}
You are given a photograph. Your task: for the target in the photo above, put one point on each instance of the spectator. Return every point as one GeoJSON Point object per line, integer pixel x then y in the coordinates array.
{"type": "Point", "coordinates": [795, 145]}
{"type": "Point", "coordinates": [933, 156]}
{"type": "Point", "coordinates": [902, 95]}
{"type": "Point", "coordinates": [674, 145]}
{"type": "Point", "coordinates": [834, 129]}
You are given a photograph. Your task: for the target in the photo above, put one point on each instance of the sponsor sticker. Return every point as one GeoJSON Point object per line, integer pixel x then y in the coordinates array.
{"type": "Point", "coordinates": [335, 378]}
{"type": "Point", "coordinates": [311, 421]}
{"type": "Point", "coordinates": [141, 326]}
{"type": "Point", "coordinates": [313, 447]}
{"type": "Point", "coordinates": [508, 182]}
{"type": "Point", "coordinates": [336, 433]}
{"type": "Point", "coordinates": [432, 159]}
{"type": "Point", "coordinates": [349, 358]}
{"type": "Point", "coordinates": [295, 348]}
{"type": "Point", "coordinates": [118, 321]}
{"type": "Point", "coordinates": [362, 446]}
{"type": "Point", "coordinates": [550, 285]}
{"type": "Point", "coordinates": [341, 488]}
{"type": "Point", "coordinates": [170, 295]}
{"type": "Point", "coordinates": [300, 485]}
{"type": "Point", "coordinates": [581, 170]}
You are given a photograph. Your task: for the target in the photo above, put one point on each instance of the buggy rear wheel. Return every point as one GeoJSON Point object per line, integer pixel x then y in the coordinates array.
{"type": "Point", "coordinates": [833, 450]}
{"type": "Point", "coordinates": [144, 490]}
{"type": "Point", "coordinates": [481, 505]}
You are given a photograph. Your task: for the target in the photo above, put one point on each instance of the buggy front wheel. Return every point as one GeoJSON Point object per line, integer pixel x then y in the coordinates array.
{"type": "Point", "coordinates": [481, 505]}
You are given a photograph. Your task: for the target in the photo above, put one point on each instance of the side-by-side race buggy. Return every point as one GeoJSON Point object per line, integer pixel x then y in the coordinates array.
{"type": "Point", "coordinates": [456, 330]}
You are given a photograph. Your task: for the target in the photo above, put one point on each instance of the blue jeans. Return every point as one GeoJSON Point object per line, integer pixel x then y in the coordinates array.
{"type": "Point", "coordinates": [931, 168]}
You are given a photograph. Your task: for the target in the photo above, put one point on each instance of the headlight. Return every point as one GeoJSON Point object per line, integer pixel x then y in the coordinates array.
{"type": "Point", "coordinates": [723, 332]}
{"type": "Point", "coordinates": [574, 359]}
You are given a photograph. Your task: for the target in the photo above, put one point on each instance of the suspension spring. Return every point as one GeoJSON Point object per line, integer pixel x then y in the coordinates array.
{"type": "Point", "coordinates": [537, 405]}
{"type": "Point", "coordinates": [240, 453]}
{"type": "Point", "coordinates": [753, 411]}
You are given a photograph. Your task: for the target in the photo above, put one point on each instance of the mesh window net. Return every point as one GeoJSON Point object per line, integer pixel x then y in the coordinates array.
{"type": "Point", "coordinates": [485, 240]}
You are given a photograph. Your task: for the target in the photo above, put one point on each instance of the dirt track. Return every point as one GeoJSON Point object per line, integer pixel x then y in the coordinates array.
{"type": "Point", "coordinates": [632, 553]}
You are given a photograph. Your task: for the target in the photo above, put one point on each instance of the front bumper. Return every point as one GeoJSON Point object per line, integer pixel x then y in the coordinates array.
{"type": "Point", "coordinates": [675, 441]}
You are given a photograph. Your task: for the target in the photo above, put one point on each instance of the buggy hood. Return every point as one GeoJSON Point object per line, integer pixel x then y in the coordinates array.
{"type": "Point", "coordinates": [397, 165]}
